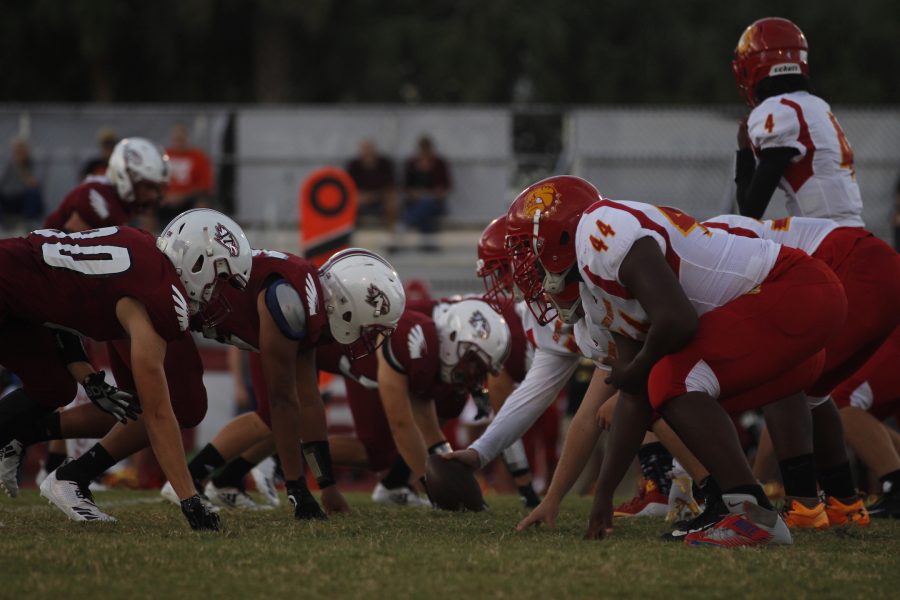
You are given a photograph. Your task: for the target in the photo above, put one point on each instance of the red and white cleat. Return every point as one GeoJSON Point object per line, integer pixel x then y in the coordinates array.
{"type": "Point", "coordinates": [650, 502]}
{"type": "Point", "coordinates": [748, 525]}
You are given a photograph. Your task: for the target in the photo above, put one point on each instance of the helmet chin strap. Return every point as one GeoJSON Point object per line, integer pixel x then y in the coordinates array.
{"type": "Point", "coordinates": [569, 315]}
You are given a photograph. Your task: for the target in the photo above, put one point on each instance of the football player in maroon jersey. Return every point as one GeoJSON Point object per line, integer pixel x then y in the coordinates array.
{"type": "Point", "coordinates": [135, 180]}
{"type": "Point", "coordinates": [399, 394]}
{"type": "Point", "coordinates": [288, 310]}
{"type": "Point", "coordinates": [108, 284]}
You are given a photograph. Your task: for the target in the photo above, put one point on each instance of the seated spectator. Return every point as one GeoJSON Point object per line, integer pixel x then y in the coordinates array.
{"type": "Point", "coordinates": [426, 183]}
{"type": "Point", "coordinates": [107, 140]}
{"type": "Point", "coordinates": [373, 174]}
{"type": "Point", "coordinates": [190, 177]}
{"type": "Point", "coordinates": [20, 190]}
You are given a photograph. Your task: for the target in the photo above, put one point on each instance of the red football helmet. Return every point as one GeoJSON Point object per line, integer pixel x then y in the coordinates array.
{"type": "Point", "coordinates": [769, 47]}
{"type": "Point", "coordinates": [493, 265]}
{"type": "Point", "coordinates": [540, 241]}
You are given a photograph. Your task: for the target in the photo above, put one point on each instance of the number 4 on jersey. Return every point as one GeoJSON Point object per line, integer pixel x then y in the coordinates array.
{"type": "Point", "coordinates": [606, 231]}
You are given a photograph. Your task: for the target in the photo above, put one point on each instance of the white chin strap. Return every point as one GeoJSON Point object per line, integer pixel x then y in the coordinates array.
{"type": "Point", "coordinates": [569, 315]}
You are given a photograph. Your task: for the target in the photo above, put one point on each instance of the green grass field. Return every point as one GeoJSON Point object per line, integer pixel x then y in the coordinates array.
{"type": "Point", "coordinates": [386, 552]}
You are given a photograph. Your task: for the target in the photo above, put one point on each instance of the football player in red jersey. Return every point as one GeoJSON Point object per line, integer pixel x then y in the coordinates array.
{"type": "Point", "coordinates": [551, 358]}
{"type": "Point", "coordinates": [288, 310]}
{"type": "Point", "coordinates": [870, 395]}
{"type": "Point", "coordinates": [108, 284]}
{"type": "Point", "coordinates": [670, 290]}
{"type": "Point", "coordinates": [869, 271]}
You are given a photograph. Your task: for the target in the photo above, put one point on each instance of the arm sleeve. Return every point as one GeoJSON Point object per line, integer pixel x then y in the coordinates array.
{"type": "Point", "coordinates": [548, 374]}
{"type": "Point", "coordinates": [772, 163]}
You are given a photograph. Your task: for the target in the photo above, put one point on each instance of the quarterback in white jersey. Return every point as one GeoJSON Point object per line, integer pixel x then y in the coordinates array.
{"type": "Point", "coordinates": [792, 140]}
{"type": "Point", "coordinates": [687, 308]}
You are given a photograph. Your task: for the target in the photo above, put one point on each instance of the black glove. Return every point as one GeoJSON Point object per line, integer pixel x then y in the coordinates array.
{"type": "Point", "coordinates": [482, 403]}
{"type": "Point", "coordinates": [306, 508]}
{"type": "Point", "coordinates": [198, 515]}
{"type": "Point", "coordinates": [118, 403]}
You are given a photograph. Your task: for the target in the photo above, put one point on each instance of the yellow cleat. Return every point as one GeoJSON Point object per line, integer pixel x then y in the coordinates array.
{"type": "Point", "coordinates": [844, 514]}
{"type": "Point", "coordinates": [799, 516]}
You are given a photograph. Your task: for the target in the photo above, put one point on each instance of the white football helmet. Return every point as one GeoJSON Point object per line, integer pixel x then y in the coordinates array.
{"type": "Point", "coordinates": [206, 247]}
{"type": "Point", "coordinates": [474, 341]}
{"type": "Point", "coordinates": [136, 159]}
{"type": "Point", "coordinates": [364, 299]}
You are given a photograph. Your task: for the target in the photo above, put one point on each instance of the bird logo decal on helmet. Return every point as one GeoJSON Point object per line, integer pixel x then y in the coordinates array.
{"type": "Point", "coordinates": [377, 299]}
{"type": "Point", "coordinates": [227, 239]}
{"type": "Point", "coordinates": [540, 199]}
{"type": "Point", "coordinates": [480, 324]}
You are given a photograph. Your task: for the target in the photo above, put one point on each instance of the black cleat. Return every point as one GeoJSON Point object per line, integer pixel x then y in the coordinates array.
{"type": "Point", "coordinates": [714, 512]}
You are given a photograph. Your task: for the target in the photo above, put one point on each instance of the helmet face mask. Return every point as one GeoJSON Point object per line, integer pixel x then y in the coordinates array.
{"type": "Point", "coordinates": [472, 367]}
{"type": "Point", "coordinates": [493, 266]}
{"type": "Point", "coordinates": [364, 299]}
{"type": "Point", "coordinates": [474, 341]}
{"type": "Point", "coordinates": [769, 47]}
{"type": "Point", "coordinates": [206, 248]}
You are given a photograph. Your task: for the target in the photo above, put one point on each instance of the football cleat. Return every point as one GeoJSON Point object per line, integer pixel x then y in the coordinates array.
{"type": "Point", "coordinates": [264, 476]}
{"type": "Point", "coordinates": [798, 515]}
{"type": "Point", "coordinates": [10, 457]}
{"type": "Point", "coordinates": [232, 497]}
{"type": "Point", "coordinates": [649, 502]}
{"type": "Point", "coordinates": [402, 496]}
{"type": "Point", "coordinates": [887, 505]}
{"type": "Point", "coordinates": [73, 499]}
{"type": "Point", "coordinates": [168, 493]}
{"type": "Point", "coordinates": [748, 525]}
{"type": "Point", "coordinates": [41, 476]}
{"type": "Point", "coordinates": [843, 514]}
{"type": "Point", "coordinates": [682, 505]}
{"type": "Point", "coordinates": [713, 512]}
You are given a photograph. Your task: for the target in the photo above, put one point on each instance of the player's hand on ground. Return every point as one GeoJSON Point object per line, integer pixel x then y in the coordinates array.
{"type": "Point", "coordinates": [334, 502]}
{"type": "Point", "coordinates": [468, 457]}
{"type": "Point", "coordinates": [306, 508]}
{"type": "Point", "coordinates": [545, 512]}
{"type": "Point", "coordinates": [198, 516]}
{"type": "Point", "coordinates": [110, 399]}
{"type": "Point", "coordinates": [600, 525]}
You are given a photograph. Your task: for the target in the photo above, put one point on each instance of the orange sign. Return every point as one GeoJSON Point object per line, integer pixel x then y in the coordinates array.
{"type": "Point", "coordinates": [327, 213]}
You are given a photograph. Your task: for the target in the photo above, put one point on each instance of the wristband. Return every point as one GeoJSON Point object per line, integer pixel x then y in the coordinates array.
{"type": "Point", "coordinates": [318, 457]}
{"type": "Point", "coordinates": [70, 348]}
{"type": "Point", "coordinates": [440, 448]}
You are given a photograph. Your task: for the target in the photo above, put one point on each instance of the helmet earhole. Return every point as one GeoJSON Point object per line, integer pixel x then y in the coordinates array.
{"type": "Point", "coordinates": [347, 316]}
{"type": "Point", "coordinates": [452, 336]}
{"type": "Point", "coordinates": [197, 265]}
{"type": "Point", "coordinates": [564, 238]}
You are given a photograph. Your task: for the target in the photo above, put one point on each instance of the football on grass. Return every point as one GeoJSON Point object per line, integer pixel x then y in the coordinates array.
{"type": "Point", "coordinates": [452, 486]}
